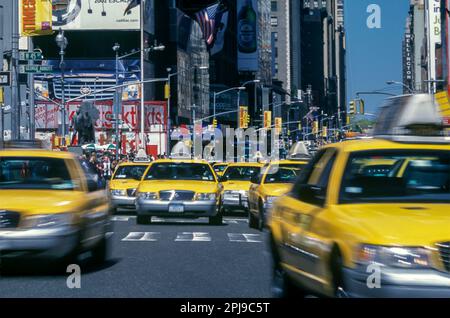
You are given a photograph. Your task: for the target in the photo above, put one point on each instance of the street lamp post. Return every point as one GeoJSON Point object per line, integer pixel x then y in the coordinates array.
{"type": "Point", "coordinates": [116, 49]}
{"type": "Point", "coordinates": [62, 43]}
{"type": "Point", "coordinates": [169, 82]}
{"type": "Point", "coordinates": [402, 84]}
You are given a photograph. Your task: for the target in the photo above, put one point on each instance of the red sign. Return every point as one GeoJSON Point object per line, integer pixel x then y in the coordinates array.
{"type": "Point", "coordinates": [47, 116]}
{"type": "Point", "coordinates": [446, 121]}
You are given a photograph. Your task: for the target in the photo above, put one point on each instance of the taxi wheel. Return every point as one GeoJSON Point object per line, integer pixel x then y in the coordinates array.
{"type": "Point", "coordinates": [252, 221]}
{"type": "Point", "coordinates": [143, 220]}
{"type": "Point", "coordinates": [336, 270]}
{"type": "Point", "coordinates": [216, 220]}
{"type": "Point", "coordinates": [100, 252]}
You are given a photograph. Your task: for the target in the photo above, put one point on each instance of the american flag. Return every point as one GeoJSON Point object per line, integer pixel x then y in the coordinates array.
{"type": "Point", "coordinates": [207, 21]}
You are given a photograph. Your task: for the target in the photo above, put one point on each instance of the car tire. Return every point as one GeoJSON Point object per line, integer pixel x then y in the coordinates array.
{"type": "Point", "coordinates": [100, 252]}
{"type": "Point", "coordinates": [282, 287]}
{"type": "Point", "coordinates": [337, 274]}
{"type": "Point", "coordinates": [216, 220]}
{"type": "Point", "coordinates": [143, 220]}
{"type": "Point", "coordinates": [252, 221]}
{"type": "Point", "coordinates": [261, 223]}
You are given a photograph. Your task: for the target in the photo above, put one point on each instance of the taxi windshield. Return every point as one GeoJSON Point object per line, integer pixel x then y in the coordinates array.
{"type": "Point", "coordinates": [283, 173]}
{"type": "Point", "coordinates": [180, 171]}
{"type": "Point", "coordinates": [241, 173]}
{"type": "Point", "coordinates": [129, 172]}
{"type": "Point", "coordinates": [34, 174]}
{"type": "Point", "coordinates": [413, 176]}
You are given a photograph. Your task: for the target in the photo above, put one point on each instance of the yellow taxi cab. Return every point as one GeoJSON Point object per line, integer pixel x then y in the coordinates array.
{"type": "Point", "coordinates": [49, 210]}
{"type": "Point", "coordinates": [236, 181]}
{"type": "Point", "coordinates": [348, 230]}
{"type": "Point", "coordinates": [219, 168]}
{"type": "Point", "coordinates": [275, 180]}
{"type": "Point", "coordinates": [124, 183]}
{"type": "Point", "coordinates": [181, 189]}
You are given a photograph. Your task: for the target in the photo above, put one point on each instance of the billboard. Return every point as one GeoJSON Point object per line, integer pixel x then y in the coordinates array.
{"type": "Point", "coordinates": [47, 115]}
{"type": "Point", "coordinates": [95, 15]}
{"type": "Point", "coordinates": [433, 9]}
{"type": "Point", "coordinates": [35, 17]}
{"type": "Point", "coordinates": [247, 35]}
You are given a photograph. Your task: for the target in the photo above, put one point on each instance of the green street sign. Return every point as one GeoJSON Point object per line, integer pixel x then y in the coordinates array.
{"type": "Point", "coordinates": [30, 56]}
{"type": "Point", "coordinates": [36, 68]}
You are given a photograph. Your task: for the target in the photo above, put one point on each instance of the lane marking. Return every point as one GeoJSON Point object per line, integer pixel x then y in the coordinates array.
{"type": "Point", "coordinates": [142, 237]}
{"type": "Point", "coordinates": [244, 238]}
{"type": "Point", "coordinates": [193, 237]}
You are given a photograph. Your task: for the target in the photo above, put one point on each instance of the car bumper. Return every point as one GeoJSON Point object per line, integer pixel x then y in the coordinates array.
{"type": "Point", "coordinates": [190, 208]}
{"type": "Point", "coordinates": [235, 204]}
{"type": "Point", "coordinates": [38, 243]}
{"type": "Point", "coordinates": [123, 202]}
{"type": "Point", "coordinates": [397, 283]}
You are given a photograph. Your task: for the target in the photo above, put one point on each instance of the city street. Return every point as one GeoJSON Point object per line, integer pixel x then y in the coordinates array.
{"type": "Point", "coordinates": [171, 258]}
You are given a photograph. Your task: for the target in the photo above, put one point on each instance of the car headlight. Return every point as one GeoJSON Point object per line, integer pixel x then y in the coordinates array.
{"type": "Point", "coordinates": [119, 193]}
{"type": "Point", "coordinates": [398, 257]}
{"type": "Point", "coordinates": [148, 195]}
{"type": "Point", "coordinates": [205, 197]}
{"type": "Point", "coordinates": [47, 220]}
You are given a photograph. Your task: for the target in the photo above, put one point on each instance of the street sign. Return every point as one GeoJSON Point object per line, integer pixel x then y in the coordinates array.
{"type": "Point", "coordinates": [30, 56]}
{"type": "Point", "coordinates": [36, 68]}
{"type": "Point", "coordinates": [5, 79]}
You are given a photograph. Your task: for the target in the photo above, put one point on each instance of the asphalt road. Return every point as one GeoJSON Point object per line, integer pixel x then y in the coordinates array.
{"type": "Point", "coordinates": [168, 259]}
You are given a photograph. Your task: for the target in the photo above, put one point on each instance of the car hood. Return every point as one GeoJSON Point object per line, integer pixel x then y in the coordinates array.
{"type": "Point", "coordinates": [236, 185]}
{"type": "Point", "coordinates": [276, 189]}
{"type": "Point", "coordinates": [404, 224]}
{"type": "Point", "coordinates": [123, 184]}
{"type": "Point", "coordinates": [29, 202]}
{"type": "Point", "coordinates": [182, 185]}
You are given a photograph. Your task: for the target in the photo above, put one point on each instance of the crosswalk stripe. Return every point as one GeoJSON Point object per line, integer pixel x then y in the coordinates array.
{"type": "Point", "coordinates": [142, 237]}
{"type": "Point", "coordinates": [244, 238]}
{"type": "Point", "coordinates": [193, 237]}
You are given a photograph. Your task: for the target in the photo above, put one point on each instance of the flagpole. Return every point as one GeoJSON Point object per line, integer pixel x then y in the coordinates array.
{"type": "Point", "coordinates": [142, 137]}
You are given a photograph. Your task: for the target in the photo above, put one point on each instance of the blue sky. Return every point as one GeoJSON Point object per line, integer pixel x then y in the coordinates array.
{"type": "Point", "coordinates": [374, 56]}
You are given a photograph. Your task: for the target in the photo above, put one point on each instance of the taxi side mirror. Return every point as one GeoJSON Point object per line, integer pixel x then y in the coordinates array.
{"type": "Point", "coordinates": [223, 179]}
{"type": "Point", "coordinates": [311, 194]}
{"type": "Point", "coordinates": [255, 180]}
{"type": "Point", "coordinates": [92, 185]}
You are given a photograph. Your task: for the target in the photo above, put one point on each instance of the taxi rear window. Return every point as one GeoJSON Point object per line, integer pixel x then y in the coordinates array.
{"type": "Point", "coordinates": [34, 173]}
{"type": "Point", "coordinates": [397, 176]}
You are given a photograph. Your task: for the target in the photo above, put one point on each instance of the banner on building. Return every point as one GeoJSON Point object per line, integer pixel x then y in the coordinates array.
{"type": "Point", "coordinates": [96, 15]}
{"type": "Point", "coordinates": [35, 17]}
{"type": "Point", "coordinates": [433, 13]}
{"type": "Point", "coordinates": [48, 116]}
{"type": "Point", "coordinates": [247, 35]}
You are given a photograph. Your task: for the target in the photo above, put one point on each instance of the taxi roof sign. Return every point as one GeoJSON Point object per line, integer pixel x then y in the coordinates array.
{"type": "Point", "coordinates": [411, 119]}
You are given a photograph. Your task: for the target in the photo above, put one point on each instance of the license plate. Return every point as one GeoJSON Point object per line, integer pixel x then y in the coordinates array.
{"type": "Point", "coordinates": [176, 208]}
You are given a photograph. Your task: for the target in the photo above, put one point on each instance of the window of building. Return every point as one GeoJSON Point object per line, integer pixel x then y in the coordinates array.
{"type": "Point", "coordinates": [274, 21]}
{"type": "Point", "coordinates": [274, 6]}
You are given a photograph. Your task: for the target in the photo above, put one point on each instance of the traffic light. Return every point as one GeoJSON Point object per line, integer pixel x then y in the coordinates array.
{"type": "Point", "coordinates": [268, 119]}
{"type": "Point", "coordinates": [166, 91]}
{"type": "Point", "coordinates": [352, 109]}
{"type": "Point", "coordinates": [324, 132]}
{"type": "Point", "coordinates": [243, 117]}
{"type": "Point", "coordinates": [2, 99]}
{"type": "Point", "coordinates": [215, 123]}
{"type": "Point", "coordinates": [278, 125]}
{"type": "Point", "coordinates": [315, 128]}
{"type": "Point", "coordinates": [361, 107]}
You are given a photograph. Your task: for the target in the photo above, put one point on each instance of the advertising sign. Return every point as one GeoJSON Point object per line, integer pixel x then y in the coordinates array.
{"type": "Point", "coordinates": [95, 15]}
{"type": "Point", "coordinates": [433, 34]}
{"type": "Point", "coordinates": [247, 33]}
{"type": "Point", "coordinates": [35, 17]}
{"type": "Point", "coordinates": [47, 116]}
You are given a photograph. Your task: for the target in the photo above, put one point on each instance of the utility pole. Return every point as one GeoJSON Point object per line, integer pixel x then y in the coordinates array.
{"type": "Point", "coordinates": [15, 96]}
{"type": "Point", "coordinates": [31, 109]}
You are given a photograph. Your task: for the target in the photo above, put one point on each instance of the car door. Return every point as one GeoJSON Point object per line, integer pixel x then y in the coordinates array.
{"type": "Point", "coordinates": [306, 200]}
{"type": "Point", "coordinates": [253, 194]}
